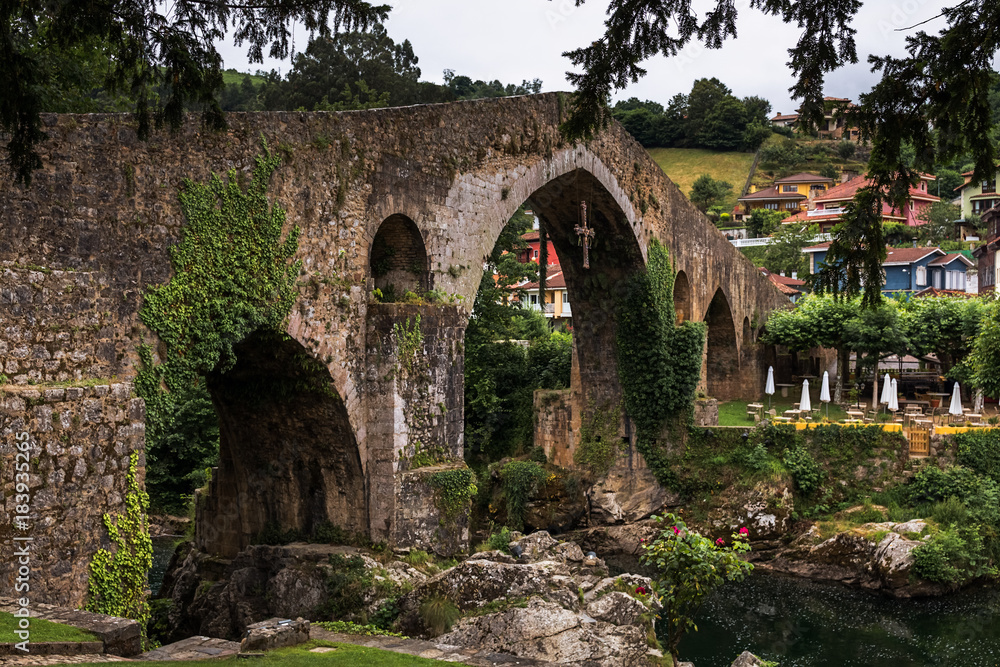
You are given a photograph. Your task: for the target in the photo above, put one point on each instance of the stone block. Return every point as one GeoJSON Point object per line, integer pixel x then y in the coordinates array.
{"type": "Point", "coordinates": [275, 633]}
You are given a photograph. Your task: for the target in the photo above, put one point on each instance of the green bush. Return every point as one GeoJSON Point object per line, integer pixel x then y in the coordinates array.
{"type": "Point", "coordinates": [980, 451]}
{"type": "Point", "coordinates": [754, 457]}
{"type": "Point", "coordinates": [950, 512]}
{"type": "Point", "coordinates": [933, 484]}
{"type": "Point", "coordinates": [499, 541]}
{"type": "Point", "coordinates": [952, 556]}
{"type": "Point", "coordinates": [438, 613]}
{"type": "Point", "coordinates": [453, 490]}
{"type": "Point", "coordinates": [520, 479]}
{"type": "Point", "coordinates": [599, 442]}
{"type": "Point", "coordinates": [805, 471]}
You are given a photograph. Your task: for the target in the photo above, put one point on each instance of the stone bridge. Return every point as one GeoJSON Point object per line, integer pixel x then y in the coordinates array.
{"type": "Point", "coordinates": [411, 197]}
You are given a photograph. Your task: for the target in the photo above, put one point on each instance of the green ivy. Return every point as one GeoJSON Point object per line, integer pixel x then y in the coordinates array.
{"type": "Point", "coordinates": [454, 489]}
{"type": "Point", "coordinates": [599, 442]}
{"type": "Point", "coordinates": [117, 583]}
{"type": "Point", "coordinates": [520, 479]}
{"type": "Point", "coordinates": [659, 364]}
{"type": "Point", "coordinates": [233, 276]}
{"type": "Point", "coordinates": [409, 339]}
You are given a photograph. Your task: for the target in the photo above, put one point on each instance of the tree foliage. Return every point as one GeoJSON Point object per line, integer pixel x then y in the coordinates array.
{"type": "Point", "coordinates": [934, 101]}
{"type": "Point", "coordinates": [707, 192]}
{"type": "Point", "coordinates": [163, 55]}
{"type": "Point", "coordinates": [784, 254]}
{"type": "Point", "coordinates": [710, 116]}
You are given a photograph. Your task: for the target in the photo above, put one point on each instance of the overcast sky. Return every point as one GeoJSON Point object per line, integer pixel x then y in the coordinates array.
{"type": "Point", "coordinates": [514, 40]}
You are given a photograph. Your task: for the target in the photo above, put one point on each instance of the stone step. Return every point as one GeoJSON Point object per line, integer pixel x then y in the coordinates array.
{"type": "Point", "coordinates": [54, 648]}
{"type": "Point", "coordinates": [193, 648]}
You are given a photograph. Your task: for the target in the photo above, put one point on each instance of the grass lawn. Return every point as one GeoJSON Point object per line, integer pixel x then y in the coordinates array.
{"type": "Point", "coordinates": [42, 631]}
{"type": "Point", "coordinates": [685, 165]}
{"type": "Point", "coordinates": [734, 413]}
{"type": "Point", "coordinates": [230, 76]}
{"type": "Point", "coordinates": [345, 655]}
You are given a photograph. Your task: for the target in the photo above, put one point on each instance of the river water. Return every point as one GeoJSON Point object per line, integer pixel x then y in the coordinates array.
{"type": "Point", "coordinates": [163, 549]}
{"type": "Point", "coordinates": [805, 624]}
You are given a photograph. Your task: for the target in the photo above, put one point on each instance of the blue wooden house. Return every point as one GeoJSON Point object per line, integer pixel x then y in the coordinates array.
{"type": "Point", "coordinates": [910, 269]}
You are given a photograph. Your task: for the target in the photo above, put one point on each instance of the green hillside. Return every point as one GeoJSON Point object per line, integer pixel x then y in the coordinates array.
{"type": "Point", "coordinates": [231, 76]}
{"type": "Point", "coordinates": [685, 165]}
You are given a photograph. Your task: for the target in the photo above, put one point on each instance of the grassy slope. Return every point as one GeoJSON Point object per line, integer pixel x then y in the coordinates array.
{"type": "Point", "coordinates": [42, 631]}
{"type": "Point", "coordinates": [230, 76]}
{"type": "Point", "coordinates": [685, 165]}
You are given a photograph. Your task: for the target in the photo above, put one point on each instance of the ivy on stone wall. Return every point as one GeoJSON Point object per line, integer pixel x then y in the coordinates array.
{"type": "Point", "coordinates": [599, 442]}
{"type": "Point", "coordinates": [454, 489]}
{"type": "Point", "coordinates": [233, 276]}
{"type": "Point", "coordinates": [659, 363]}
{"type": "Point", "coordinates": [117, 583]}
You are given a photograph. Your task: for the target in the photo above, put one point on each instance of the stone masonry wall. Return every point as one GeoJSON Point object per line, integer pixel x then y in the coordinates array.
{"type": "Point", "coordinates": [553, 409]}
{"type": "Point", "coordinates": [57, 326]}
{"type": "Point", "coordinates": [81, 439]}
{"type": "Point", "coordinates": [416, 399]}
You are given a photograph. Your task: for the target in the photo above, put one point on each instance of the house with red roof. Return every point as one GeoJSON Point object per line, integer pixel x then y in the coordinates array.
{"type": "Point", "coordinates": [790, 287]}
{"type": "Point", "coordinates": [910, 270]}
{"type": "Point", "coordinates": [833, 125]}
{"type": "Point", "coordinates": [556, 306]}
{"type": "Point", "coordinates": [829, 206]}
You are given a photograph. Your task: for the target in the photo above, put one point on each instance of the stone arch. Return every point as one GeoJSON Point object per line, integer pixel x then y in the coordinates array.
{"type": "Point", "coordinates": [397, 259]}
{"type": "Point", "coordinates": [682, 297]}
{"type": "Point", "coordinates": [289, 459]}
{"type": "Point", "coordinates": [722, 363]}
{"type": "Point", "coordinates": [747, 333]}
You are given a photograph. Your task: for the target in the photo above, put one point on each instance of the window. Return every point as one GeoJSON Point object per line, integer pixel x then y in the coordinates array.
{"type": "Point", "coordinates": [955, 280]}
{"type": "Point", "coordinates": [921, 273]}
{"type": "Point", "coordinates": [789, 188]}
{"type": "Point", "coordinates": [772, 206]}
{"type": "Point", "coordinates": [982, 205]}
{"type": "Point", "coordinates": [533, 298]}
{"type": "Point", "coordinates": [791, 205]}
{"type": "Point", "coordinates": [989, 186]}
{"type": "Point", "coordinates": [535, 255]}
{"type": "Point", "coordinates": [565, 296]}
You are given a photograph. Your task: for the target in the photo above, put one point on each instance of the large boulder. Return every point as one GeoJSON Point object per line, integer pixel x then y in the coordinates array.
{"type": "Point", "coordinates": [553, 603]}
{"type": "Point", "coordinates": [219, 597]}
{"type": "Point", "coordinates": [626, 495]}
{"type": "Point", "coordinates": [546, 631]}
{"type": "Point", "coordinates": [874, 555]}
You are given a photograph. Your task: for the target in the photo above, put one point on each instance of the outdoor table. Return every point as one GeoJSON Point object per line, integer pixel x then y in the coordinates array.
{"type": "Point", "coordinates": [755, 408]}
{"type": "Point", "coordinates": [792, 414]}
{"type": "Point", "coordinates": [856, 414]}
{"type": "Point", "coordinates": [782, 419]}
{"type": "Point", "coordinates": [852, 421]}
{"type": "Point", "coordinates": [784, 389]}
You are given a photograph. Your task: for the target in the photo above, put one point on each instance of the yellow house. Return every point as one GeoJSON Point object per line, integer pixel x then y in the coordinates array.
{"type": "Point", "coordinates": [790, 194]}
{"type": "Point", "coordinates": [807, 185]}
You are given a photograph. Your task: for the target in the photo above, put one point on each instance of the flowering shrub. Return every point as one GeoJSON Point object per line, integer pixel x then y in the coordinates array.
{"type": "Point", "coordinates": [687, 568]}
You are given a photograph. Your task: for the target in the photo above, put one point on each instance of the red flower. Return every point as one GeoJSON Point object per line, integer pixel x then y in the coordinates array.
{"type": "Point", "coordinates": [677, 531]}
{"type": "Point", "coordinates": [641, 590]}
{"type": "Point", "coordinates": [744, 531]}
{"type": "Point", "coordinates": [721, 542]}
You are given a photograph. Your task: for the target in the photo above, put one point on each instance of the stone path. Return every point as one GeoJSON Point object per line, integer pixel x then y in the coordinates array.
{"type": "Point", "coordinates": [193, 648]}
{"type": "Point", "coordinates": [427, 649]}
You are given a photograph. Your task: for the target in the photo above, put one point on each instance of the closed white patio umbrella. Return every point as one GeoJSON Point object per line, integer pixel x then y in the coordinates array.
{"type": "Point", "coordinates": [886, 390]}
{"type": "Point", "coordinates": [955, 409]}
{"type": "Point", "coordinates": [893, 398]}
{"type": "Point", "coordinates": [804, 404]}
{"type": "Point", "coordinates": [769, 387]}
{"type": "Point", "coordinates": [824, 392]}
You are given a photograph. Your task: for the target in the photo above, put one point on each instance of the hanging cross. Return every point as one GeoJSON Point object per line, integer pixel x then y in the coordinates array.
{"type": "Point", "coordinates": [585, 233]}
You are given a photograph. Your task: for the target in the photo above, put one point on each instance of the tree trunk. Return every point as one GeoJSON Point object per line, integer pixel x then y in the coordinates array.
{"type": "Point", "coordinates": [843, 361]}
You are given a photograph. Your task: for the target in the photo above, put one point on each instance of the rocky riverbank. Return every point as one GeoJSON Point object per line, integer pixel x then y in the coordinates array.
{"type": "Point", "coordinates": [551, 603]}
